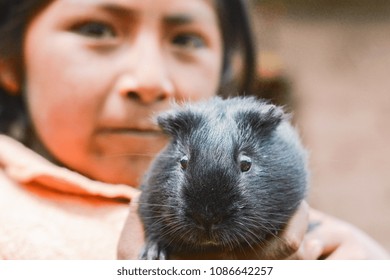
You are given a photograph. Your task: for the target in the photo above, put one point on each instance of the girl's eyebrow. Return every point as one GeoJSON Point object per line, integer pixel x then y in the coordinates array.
{"type": "Point", "coordinates": [116, 9]}
{"type": "Point", "coordinates": [173, 19]}
{"type": "Point", "coordinates": [121, 11]}
{"type": "Point", "coordinates": [178, 19]}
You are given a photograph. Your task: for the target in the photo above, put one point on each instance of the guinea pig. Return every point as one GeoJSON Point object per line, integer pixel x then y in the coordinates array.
{"type": "Point", "coordinates": [232, 175]}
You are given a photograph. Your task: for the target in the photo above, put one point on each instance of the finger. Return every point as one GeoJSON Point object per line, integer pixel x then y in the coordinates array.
{"type": "Point", "coordinates": [340, 240]}
{"type": "Point", "coordinates": [132, 237]}
{"type": "Point", "coordinates": [297, 225]}
{"type": "Point", "coordinates": [289, 242]}
{"type": "Point", "coordinates": [309, 250]}
{"type": "Point", "coordinates": [296, 229]}
{"type": "Point", "coordinates": [356, 245]}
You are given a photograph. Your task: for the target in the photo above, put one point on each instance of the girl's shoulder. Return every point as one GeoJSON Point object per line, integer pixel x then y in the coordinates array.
{"type": "Point", "coordinates": [42, 225]}
{"type": "Point", "coordinates": [48, 212]}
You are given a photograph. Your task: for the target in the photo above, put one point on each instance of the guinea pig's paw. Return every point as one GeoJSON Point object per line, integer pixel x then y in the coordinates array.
{"type": "Point", "coordinates": [152, 251]}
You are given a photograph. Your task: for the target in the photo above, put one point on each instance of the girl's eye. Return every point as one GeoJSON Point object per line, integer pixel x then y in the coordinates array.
{"type": "Point", "coordinates": [190, 41]}
{"type": "Point", "coordinates": [95, 30]}
{"type": "Point", "coordinates": [245, 163]}
{"type": "Point", "coordinates": [184, 162]}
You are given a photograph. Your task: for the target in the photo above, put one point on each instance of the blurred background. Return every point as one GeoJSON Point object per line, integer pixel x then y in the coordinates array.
{"type": "Point", "coordinates": [329, 61]}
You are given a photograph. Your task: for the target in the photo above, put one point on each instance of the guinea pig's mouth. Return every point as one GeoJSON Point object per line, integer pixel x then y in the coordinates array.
{"type": "Point", "coordinates": [209, 239]}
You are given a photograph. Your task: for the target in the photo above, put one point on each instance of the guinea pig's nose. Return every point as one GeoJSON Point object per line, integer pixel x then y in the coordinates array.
{"type": "Point", "coordinates": [207, 221]}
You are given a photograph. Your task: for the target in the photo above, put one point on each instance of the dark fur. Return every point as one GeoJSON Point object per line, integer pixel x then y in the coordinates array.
{"type": "Point", "coordinates": [212, 206]}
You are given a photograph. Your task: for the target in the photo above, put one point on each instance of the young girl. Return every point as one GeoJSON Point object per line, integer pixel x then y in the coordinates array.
{"type": "Point", "coordinates": [80, 81]}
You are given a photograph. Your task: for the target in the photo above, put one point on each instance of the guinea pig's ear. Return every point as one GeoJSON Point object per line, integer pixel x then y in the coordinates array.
{"type": "Point", "coordinates": [177, 123]}
{"type": "Point", "coordinates": [263, 118]}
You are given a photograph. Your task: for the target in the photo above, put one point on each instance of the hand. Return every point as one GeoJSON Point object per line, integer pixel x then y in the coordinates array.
{"type": "Point", "coordinates": [335, 239]}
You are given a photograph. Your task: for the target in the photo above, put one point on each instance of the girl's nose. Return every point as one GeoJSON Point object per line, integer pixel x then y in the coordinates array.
{"type": "Point", "coordinates": [147, 91]}
{"type": "Point", "coordinates": [147, 78]}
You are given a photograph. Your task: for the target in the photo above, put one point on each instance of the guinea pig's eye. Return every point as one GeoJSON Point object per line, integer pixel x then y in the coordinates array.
{"type": "Point", "coordinates": [184, 162]}
{"type": "Point", "coordinates": [245, 163]}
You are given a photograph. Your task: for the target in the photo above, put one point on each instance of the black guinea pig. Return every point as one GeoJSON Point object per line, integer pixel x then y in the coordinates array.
{"type": "Point", "coordinates": [232, 175]}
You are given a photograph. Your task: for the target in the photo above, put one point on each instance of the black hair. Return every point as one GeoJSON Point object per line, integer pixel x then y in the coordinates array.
{"type": "Point", "coordinates": [238, 42]}
{"type": "Point", "coordinates": [14, 18]}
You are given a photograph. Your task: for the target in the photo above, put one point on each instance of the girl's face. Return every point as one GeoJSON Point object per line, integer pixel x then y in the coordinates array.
{"type": "Point", "coordinates": [98, 70]}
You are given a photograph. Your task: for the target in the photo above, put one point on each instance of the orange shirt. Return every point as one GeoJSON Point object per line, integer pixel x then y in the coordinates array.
{"type": "Point", "coordinates": [50, 212]}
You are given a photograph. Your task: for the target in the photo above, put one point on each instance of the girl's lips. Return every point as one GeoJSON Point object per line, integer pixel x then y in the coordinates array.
{"type": "Point", "coordinates": [142, 129]}
{"type": "Point", "coordinates": [134, 142]}
{"type": "Point", "coordinates": [126, 130]}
